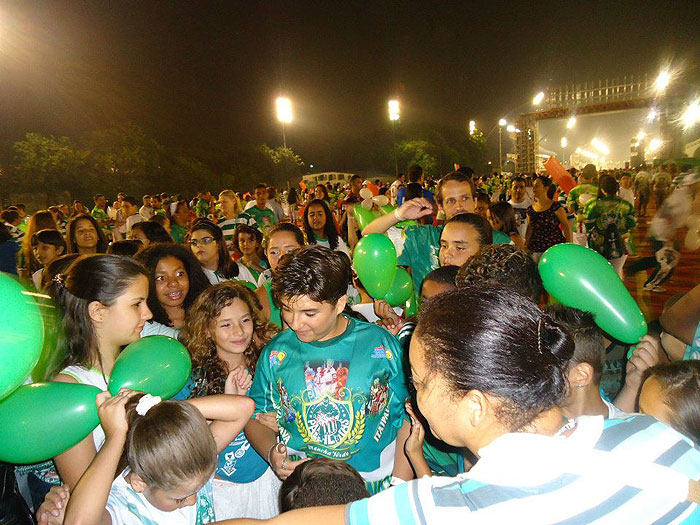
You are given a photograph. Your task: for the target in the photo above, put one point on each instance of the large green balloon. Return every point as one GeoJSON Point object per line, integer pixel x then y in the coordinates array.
{"type": "Point", "coordinates": [42, 420]}
{"type": "Point", "coordinates": [363, 216]}
{"type": "Point", "coordinates": [247, 284]}
{"type": "Point", "coordinates": [21, 335]}
{"type": "Point", "coordinates": [157, 365]}
{"type": "Point", "coordinates": [579, 277]}
{"type": "Point", "coordinates": [401, 288]}
{"type": "Point", "coordinates": [375, 262]}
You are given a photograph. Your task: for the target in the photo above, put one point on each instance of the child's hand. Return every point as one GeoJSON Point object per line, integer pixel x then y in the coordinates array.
{"type": "Point", "coordinates": [238, 381]}
{"type": "Point", "coordinates": [279, 462]}
{"type": "Point", "coordinates": [414, 443]}
{"type": "Point", "coordinates": [53, 509]}
{"type": "Point", "coordinates": [387, 316]}
{"type": "Point", "coordinates": [112, 412]}
{"type": "Point", "coordinates": [645, 355]}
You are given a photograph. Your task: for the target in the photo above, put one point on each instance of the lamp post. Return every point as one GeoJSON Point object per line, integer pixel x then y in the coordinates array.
{"type": "Point", "coordinates": [501, 123]}
{"type": "Point", "coordinates": [393, 117]}
{"type": "Point", "coordinates": [284, 115]}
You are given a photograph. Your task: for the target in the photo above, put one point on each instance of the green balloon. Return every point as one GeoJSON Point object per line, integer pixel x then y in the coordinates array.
{"type": "Point", "coordinates": [579, 277]}
{"type": "Point", "coordinates": [362, 215]}
{"type": "Point", "coordinates": [401, 288]}
{"type": "Point", "coordinates": [21, 335]}
{"type": "Point", "coordinates": [387, 209]}
{"type": "Point", "coordinates": [375, 262]}
{"type": "Point", "coordinates": [411, 308]}
{"type": "Point", "coordinates": [157, 365]}
{"type": "Point", "coordinates": [44, 419]}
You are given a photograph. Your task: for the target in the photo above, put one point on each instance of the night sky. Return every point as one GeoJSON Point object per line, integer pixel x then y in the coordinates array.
{"type": "Point", "coordinates": [205, 74]}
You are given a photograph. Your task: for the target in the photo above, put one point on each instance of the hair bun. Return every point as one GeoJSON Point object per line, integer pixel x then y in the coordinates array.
{"type": "Point", "coordinates": [553, 338]}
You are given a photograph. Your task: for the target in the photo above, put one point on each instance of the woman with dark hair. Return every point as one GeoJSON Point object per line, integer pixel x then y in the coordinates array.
{"type": "Point", "coordinates": [320, 228]}
{"type": "Point", "coordinates": [175, 280]}
{"type": "Point", "coordinates": [41, 220]}
{"type": "Point", "coordinates": [85, 236]}
{"type": "Point", "coordinates": [492, 382]}
{"type": "Point", "coordinates": [247, 241]}
{"type": "Point", "coordinates": [547, 224]}
{"type": "Point", "coordinates": [609, 220]}
{"type": "Point", "coordinates": [501, 215]}
{"type": "Point", "coordinates": [150, 231]}
{"type": "Point", "coordinates": [179, 215]}
{"type": "Point", "coordinates": [206, 240]}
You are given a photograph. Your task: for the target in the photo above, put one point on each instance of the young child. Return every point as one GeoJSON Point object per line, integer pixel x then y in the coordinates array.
{"type": "Point", "coordinates": [462, 237]}
{"type": "Point", "coordinates": [320, 482]}
{"type": "Point", "coordinates": [166, 454]}
{"type": "Point", "coordinates": [224, 335]}
{"type": "Point", "coordinates": [505, 230]}
{"type": "Point", "coordinates": [671, 393]}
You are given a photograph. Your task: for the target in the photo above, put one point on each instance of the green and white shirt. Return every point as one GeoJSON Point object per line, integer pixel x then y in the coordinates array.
{"type": "Point", "coordinates": [341, 399]}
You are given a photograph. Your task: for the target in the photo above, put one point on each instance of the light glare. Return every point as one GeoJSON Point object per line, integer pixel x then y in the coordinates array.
{"type": "Point", "coordinates": [600, 146]}
{"type": "Point", "coordinates": [564, 142]}
{"type": "Point", "coordinates": [663, 80]}
{"type": "Point", "coordinates": [691, 115]}
{"type": "Point", "coordinates": [502, 122]}
{"type": "Point", "coordinates": [538, 98]}
{"type": "Point", "coordinates": [571, 123]}
{"type": "Point", "coordinates": [284, 110]}
{"type": "Point", "coordinates": [393, 110]}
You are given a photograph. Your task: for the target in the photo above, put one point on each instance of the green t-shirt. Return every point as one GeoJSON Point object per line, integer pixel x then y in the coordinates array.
{"type": "Point", "coordinates": [275, 313]}
{"type": "Point", "coordinates": [500, 238]}
{"type": "Point", "coordinates": [101, 216]}
{"type": "Point", "coordinates": [573, 203]}
{"type": "Point", "coordinates": [263, 218]}
{"type": "Point", "coordinates": [421, 246]}
{"type": "Point", "coordinates": [604, 215]}
{"type": "Point", "coordinates": [341, 399]}
{"type": "Point", "coordinates": [178, 233]}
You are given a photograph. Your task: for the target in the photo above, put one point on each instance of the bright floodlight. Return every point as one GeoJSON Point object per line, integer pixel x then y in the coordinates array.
{"type": "Point", "coordinates": [655, 145]}
{"type": "Point", "coordinates": [571, 123]}
{"type": "Point", "coordinates": [600, 146]}
{"type": "Point", "coordinates": [564, 142]}
{"type": "Point", "coordinates": [691, 115]}
{"type": "Point", "coordinates": [663, 80]}
{"type": "Point", "coordinates": [284, 110]}
{"type": "Point", "coordinates": [538, 98]}
{"type": "Point", "coordinates": [502, 122]}
{"type": "Point", "coordinates": [510, 128]}
{"type": "Point", "coordinates": [472, 127]}
{"type": "Point", "coordinates": [641, 135]}
{"type": "Point", "coordinates": [393, 110]}
{"type": "Point", "coordinates": [651, 117]}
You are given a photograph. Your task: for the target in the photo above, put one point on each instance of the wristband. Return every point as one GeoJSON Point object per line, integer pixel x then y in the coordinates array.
{"type": "Point", "coordinates": [397, 215]}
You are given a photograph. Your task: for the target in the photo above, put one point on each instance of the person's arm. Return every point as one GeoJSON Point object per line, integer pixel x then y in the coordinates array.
{"type": "Point", "coordinates": [566, 230]}
{"type": "Point", "coordinates": [261, 294]}
{"type": "Point", "coordinates": [413, 209]}
{"type": "Point", "coordinates": [518, 241]}
{"type": "Point", "coordinates": [414, 445]}
{"type": "Point", "coordinates": [352, 229]}
{"type": "Point", "coordinates": [402, 465]}
{"type": "Point", "coordinates": [645, 355]}
{"type": "Point", "coordinates": [72, 463]}
{"type": "Point", "coordinates": [528, 231]}
{"type": "Point", "coordinates": [88, 501]}
{"type": "Point", "coordinates": [681, 320]}
{"type": "Point", "coordinates": [228, 413]}
{"type": "Point", "coordinates": [264, 441]}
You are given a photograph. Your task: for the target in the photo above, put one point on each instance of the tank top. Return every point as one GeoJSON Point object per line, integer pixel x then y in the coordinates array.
{"type": "Point", "coordinates": [90, 376]}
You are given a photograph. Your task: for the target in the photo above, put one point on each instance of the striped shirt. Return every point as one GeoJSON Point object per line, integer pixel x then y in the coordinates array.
{"type": "Point", "coordinates": [228, 226]}
{"type": "Point", "coordinates": [632, 470]}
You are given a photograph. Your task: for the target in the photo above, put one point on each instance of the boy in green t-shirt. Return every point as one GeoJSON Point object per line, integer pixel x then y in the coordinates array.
{"type": "Point", "coordinates": [336, 384]}
{"type": "Point", "coordinates": [263, 216]}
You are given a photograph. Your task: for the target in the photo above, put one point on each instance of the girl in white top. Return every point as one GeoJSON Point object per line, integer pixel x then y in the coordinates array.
{"type": "Point", "coordinates": [206, 240]}
{"type": "Point", "coordinates": [247, 241]}
{"type": "Point", "coordinates": [166, 454]}
{"type": "Point", "coordinates": [103, 299]}
{"type": "Point", "coordinates": [320, 228]}
{"type": "Point", "coordinates": [47, 245]}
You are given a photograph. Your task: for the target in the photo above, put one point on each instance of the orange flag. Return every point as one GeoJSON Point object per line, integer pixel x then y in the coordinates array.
{"type": "Point", "coordinates": [562, 177]}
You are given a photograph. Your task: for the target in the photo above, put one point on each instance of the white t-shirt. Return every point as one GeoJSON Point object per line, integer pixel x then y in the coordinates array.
{"type": "Point", "coordinates": [146, 212]}
{"type": "Point", "coordinates": [520, 209]}
{"type": "Point", "coordinates": [342, 247]}
{"type": "Point", "coordinates": [36, 278]}
{"type": "Point", "coordinates": [627, 194]}
{"type": "Point", "coordinates": [128, 507]}
{"type": "Point", "coordinates": [156, 328]}
{"type": "Point", "coordinates": [133, 219]}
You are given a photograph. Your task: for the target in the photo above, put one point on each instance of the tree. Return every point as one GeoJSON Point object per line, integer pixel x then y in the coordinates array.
{"type": "Point", "coordinates": [285, 164]}
{"type": "Point", "coordinates": [50, 164]}
{"type": "Point", "coordinates": [419, 152]}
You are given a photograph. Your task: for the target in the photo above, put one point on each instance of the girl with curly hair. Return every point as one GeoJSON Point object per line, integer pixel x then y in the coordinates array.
{"type": "Point", "coordinates": [224, 334]}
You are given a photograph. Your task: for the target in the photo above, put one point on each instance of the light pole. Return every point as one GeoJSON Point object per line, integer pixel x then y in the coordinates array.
{"type": "Point", "coordinates": [564, 143]}
{"type": "Point", "coordinates": [393, 117]}
{"type": "Point", "coordinates": [284, 115]}
{"type": "Point", "coordinates": [501, 123]}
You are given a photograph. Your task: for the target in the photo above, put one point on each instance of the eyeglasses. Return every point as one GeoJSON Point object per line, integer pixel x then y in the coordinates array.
{"type": "Point", "coordinates": [204, 241]}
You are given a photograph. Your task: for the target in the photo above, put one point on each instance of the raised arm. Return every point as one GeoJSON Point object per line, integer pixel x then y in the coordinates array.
{"type": "Point", "coordinates": [413, 209]}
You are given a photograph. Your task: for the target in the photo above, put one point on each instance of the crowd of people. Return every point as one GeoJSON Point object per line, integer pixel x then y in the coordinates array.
{"type": "Point", "coordinates": [310, 400]}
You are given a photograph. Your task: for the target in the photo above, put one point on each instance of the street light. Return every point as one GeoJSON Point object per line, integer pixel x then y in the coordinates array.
{"type": "Point", "coordinates": [284, 114]}
{"type": "Point", "coordinates": [538, 98]}
{"type": "Point", "coordinates": [393, 117]}
{"type": "Point", "coordinates": [691, 115]}
{"type": "Point", "coordinates": [655, 145]}
{"type": "Point", "coordinates": [510, 128]}
{"type": "Point", "coordinates": [501, 123]}
{"type": "Point", "coordinates": [571, 123]}
{"type": "Point", "coordinates": [472, 127]}
{"type": "Point", "coordinates": [662, 81]}
{"type": "Point", "coordinates": [600, 146]}
{"type": "Point", "coordinates": [651, 117]}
